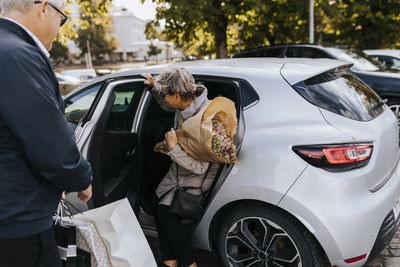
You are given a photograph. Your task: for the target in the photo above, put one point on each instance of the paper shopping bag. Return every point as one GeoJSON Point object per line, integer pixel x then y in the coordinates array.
{"type": "Point", "coordinates": [89, 240]}
{"type": "Point", "coordinates": [121, 233]}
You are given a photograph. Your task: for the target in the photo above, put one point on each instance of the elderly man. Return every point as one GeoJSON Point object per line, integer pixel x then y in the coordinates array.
{"type": "Point", "coordinates": [38, 155]}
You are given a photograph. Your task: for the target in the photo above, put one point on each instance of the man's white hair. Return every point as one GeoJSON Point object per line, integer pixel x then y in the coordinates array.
{"type": "Point", "coordinates": [24, 6]}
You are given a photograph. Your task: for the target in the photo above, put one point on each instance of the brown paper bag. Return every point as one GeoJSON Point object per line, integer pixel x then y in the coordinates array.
{"type": "Point", "coordinates": [196, 133]}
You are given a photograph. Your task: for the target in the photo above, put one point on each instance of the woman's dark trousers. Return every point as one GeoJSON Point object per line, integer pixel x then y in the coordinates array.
{"type": "Point", "coordinates": [173, 237]}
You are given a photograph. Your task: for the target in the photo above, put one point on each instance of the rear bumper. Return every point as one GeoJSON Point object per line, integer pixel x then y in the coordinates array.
{"type": "Point", "coordinates": [344, 216]}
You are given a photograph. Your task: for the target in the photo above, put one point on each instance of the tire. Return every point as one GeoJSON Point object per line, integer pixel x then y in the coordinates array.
{"type": "Point", "coordinates": [242, 240]}
{"type": "Point", "coordinates": [394, 105]}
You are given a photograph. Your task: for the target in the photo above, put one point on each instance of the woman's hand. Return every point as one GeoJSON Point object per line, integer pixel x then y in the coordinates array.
{"type": "Point", "coordinates": [171, 139]}
{"type": "Point", "coordinates": [149, 79]}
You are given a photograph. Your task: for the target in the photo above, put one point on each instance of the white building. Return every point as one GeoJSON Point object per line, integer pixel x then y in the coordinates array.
{"type": "Point", "coordinates": [129, 31]}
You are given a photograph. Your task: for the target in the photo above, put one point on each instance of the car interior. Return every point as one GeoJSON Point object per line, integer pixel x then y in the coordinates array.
{"type": "Point", "coordinates": [156, 123]}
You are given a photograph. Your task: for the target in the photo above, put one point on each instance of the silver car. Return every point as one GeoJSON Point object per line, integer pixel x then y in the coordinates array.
{"type": "Point", "coordinates": [317, 180]}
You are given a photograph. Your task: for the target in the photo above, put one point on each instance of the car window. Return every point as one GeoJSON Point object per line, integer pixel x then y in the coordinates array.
{"type": "Point", "coordinates": [78, 106]}
{"type": "Point", "coordinates": [262, 52]}
{"type": "Point", "coordinates": [248, 95]}
{"type": "Point", "coordinates": [390, 62]}
{"type": "Point", "coordinates": [124, 106]}
{"type": "Point", "coordinates": [360, 60]}
{"type": "Point", "coordinates": [254, 53]}
{"type": "Point", "coordinates": [306, 52]}
{"type": "Point", "coordinates": [272, 52]}
{"type": "Point", "coordinates": [341, 92]}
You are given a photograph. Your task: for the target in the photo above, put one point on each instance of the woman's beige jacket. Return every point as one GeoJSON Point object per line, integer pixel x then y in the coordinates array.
{"type": "Point", "coordinates": [184, 170]}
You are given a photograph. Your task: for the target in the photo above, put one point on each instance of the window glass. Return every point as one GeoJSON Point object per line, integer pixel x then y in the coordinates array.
{"type": "Point", "coordinates": [272, 52]}
{"type": "Point", "coordinates": [262, 52]}
{"type": "Point", "coordinates": [78, 106]}
{"type": "Point", "coordinates": [308, 52]}
{"type": "Point", "coordinates": [360, 60]}
{"type": "Point", "coordinates": [124, 107]}
{"type": "Point", "coordinates": [248, 94]}
{"type": "Point", "coordinates": [341, 93]}
{"type": "Point", "coordinates": [390, 62]}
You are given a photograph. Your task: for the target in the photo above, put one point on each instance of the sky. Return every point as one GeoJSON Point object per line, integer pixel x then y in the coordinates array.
{"type": "Point", "coordinates": [143, 11]}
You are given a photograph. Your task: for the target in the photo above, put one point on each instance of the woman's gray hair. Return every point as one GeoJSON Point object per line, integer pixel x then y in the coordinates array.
{"type": "Point", "coordinates": [24, 6]}
{"type": "Point", "coordinates": [177, 80]}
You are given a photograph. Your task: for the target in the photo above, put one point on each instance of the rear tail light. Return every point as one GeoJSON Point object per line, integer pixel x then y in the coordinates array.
{"type": "Point", "coordinates": [336, 158]}
{"type": "Point", "coordinates": [344, 67]}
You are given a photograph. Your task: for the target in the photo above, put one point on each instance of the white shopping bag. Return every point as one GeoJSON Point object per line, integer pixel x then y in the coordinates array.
{"type": "Point", "coordinates": [121, 233]}
{"type": "Point", "coordinates": [88, 239]}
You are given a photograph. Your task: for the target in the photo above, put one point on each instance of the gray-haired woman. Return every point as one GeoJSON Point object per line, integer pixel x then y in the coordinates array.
{"type": "Point", "coordinates": [176, 91]}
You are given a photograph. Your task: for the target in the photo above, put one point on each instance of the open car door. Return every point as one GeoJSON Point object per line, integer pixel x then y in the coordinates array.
{"type": "Point", "coordinates": [113, 142]}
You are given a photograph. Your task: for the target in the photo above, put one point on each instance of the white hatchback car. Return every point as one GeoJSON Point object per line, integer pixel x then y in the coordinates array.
{"type": "Point", "coordinates": [317, 180]}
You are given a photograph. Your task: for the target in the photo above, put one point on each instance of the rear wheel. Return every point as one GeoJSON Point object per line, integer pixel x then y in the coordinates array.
{"type": "Point", "coordinates": [260, 236]}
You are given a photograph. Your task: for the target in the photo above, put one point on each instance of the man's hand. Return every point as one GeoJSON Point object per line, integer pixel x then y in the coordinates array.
{"type": "Point", "coordinates": [171, 139]}
{"type": "Point", "coordinates": [149, 79]}
{"type": "Point", "coordinates": [85, 195]}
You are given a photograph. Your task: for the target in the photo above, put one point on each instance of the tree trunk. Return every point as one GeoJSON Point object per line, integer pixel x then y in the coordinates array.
{"type": "Point", "coordinates": [220, 29]}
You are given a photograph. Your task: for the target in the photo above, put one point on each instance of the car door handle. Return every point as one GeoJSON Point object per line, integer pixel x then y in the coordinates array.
{"type": "Point", "coordinates": [131, 153]}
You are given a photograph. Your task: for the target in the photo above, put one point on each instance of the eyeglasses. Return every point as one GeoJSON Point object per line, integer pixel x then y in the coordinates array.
{"type": "Point", "coordinates": [64, 17]}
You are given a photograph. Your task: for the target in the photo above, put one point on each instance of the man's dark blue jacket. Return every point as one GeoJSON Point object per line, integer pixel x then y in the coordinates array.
{"type": "Point", "coordinates": [38, 155]}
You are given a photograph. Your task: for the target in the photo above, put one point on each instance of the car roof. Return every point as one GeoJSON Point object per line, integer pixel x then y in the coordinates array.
{"type": "Point", "coordinates": [320, 46]}
{"type": "Point", "coordinates": [383, 52]}
{"type": "Point", "coordinates": [295, 69]}
{"type": "Point", "coordinates": [67, 78]}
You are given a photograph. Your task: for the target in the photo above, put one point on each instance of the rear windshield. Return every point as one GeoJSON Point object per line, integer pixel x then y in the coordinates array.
{"type": "Point", "coordinates": [342, 93]}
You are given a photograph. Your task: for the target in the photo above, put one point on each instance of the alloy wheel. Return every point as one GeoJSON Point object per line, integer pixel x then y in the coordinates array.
{"type": "Point", "coordinates": [257, 242]}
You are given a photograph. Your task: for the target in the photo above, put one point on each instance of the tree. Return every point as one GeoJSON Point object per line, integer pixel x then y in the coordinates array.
{"type": "Point", "coordinates": [270, 22]}
{"type": "Point", "coordinates": [95, 27]}
{"type": "Point", "coordinates": [187, 21]}
{"type": "Point", "coordinates": [363, 23]}
{"type": "Point", "coordinates": [101, 42]}
{"type": "Point", "coordinates": [59, 51]}
{"type": "Point", "coordinates": [153, 50]}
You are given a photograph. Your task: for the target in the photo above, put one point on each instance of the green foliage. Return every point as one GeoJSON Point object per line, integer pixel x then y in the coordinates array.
{"type": "Point", "coordinates": [363, 23]}
{"type": "Point", "coordinates": [269, 22]}
{"type": "Point", "coordinates": [59, 51]}
{"type": "Point", "coordinates": [153, 31]}
{"type": "Point", "coordinates": [153, 50]}
{"type": "Point", "coordinates": [190, 22]}
{"type": "Point", "coordinates": [95, 27]}
{"type": "Point", "coordinates": [219, 27]}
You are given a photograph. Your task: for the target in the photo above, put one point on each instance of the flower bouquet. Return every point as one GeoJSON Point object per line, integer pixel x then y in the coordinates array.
{"type": "Point", "coordinates": [208, 136]}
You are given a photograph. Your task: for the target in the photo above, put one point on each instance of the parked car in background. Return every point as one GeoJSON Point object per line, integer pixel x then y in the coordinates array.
{"type": "Point", "coordinates": [81, 74]}
{"type": "Point", "coordinates": [67, 83]}
{"type": "Point", "coordinates": [384, 82]}
{"type": "Point", "coordinates": [102, 72]}
{"type": "Point", "coordinates": [390, 58]}
{"type": "Point", "coordinates": [317, 180]}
